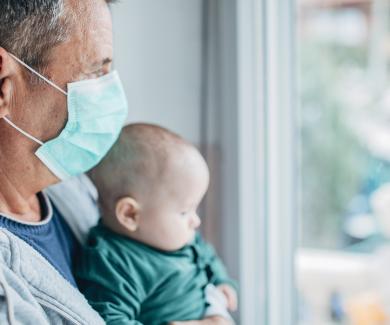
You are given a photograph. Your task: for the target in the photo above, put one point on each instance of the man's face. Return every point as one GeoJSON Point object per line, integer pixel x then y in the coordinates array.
{"type": "Point", "coordinates": [40, 109]}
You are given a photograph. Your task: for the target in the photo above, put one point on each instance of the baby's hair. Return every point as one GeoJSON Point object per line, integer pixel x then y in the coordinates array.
{"type": "Point", "coordinates": [142, 154]}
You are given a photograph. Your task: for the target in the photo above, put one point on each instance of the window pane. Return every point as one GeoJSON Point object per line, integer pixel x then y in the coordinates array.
{"type": "Point", "coordinates": [343, 69]}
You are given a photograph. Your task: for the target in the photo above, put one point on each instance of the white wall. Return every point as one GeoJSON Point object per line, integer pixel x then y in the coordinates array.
{"type": "Point", "coordinates": [158, 54]}
{"type": "Point", "coordinates": [158, 46]}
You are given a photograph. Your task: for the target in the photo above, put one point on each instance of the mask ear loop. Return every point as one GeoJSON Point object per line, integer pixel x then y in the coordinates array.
{"type": "Point", "coordinates": [51, 83]}
{"type": "Point", "coordinates": [45, 79]}
{"type": "Point", "coordinates": [23, 132]}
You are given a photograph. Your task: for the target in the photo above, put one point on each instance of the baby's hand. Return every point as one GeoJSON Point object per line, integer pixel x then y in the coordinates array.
{"type": "Point", "coordinates": [231, 296]}
{"type": "Point", "coordinates": [213, 320]}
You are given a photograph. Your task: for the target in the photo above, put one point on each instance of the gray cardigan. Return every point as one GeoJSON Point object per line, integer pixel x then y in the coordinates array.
{"type": "Point", "coordinates": [31, 289]}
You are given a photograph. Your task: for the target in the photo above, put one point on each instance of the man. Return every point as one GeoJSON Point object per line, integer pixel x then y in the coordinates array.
{"type": "Point", "coordinates": [46, 134]}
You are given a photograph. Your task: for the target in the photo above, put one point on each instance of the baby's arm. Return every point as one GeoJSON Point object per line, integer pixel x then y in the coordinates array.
{"type": "Point", "coordinates": [218, 271]}
{"type": "Point", "coordinates": [218, 274]}
{"type": "Point", "coordinates": [109, 289]}
{"type": "Point", "coordinates": [230, 294]}
{"type": "Point", "coordinates": [214, 320]}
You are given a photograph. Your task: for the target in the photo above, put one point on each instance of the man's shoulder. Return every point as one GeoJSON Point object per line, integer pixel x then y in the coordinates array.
{"type": "Point", "coordinates": [76, 200]}
{"type": "Point", "coordinates": [6, 246]}
{"type": "Point", "coordinates": [30, 278]}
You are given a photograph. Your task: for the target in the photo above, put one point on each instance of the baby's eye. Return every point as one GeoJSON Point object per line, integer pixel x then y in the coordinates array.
{"type": "Point", "coordinates": [184, 213]}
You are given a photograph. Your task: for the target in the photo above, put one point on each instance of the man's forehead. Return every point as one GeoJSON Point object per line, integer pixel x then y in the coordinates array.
{"type": "Point", "coordinates": [89, 45]}
{"type": "Point", "coordinates": [93, 19]}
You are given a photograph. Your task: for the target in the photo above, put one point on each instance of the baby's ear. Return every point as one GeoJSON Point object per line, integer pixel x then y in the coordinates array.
{"type": "Point", "coordinates": [127, 213]}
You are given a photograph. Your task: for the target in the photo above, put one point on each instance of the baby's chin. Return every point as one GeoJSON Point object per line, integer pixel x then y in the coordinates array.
{"type": "Point", "coordinates": [167, 245]}
{"type": "Point", "coordinates": [192, 238]}
{"type": "Point", "coordinates": [178, 246]}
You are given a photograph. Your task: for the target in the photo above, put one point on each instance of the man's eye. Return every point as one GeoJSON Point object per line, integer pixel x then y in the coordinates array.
{"type": "Point", "coordinates": [99, 73]}
{"type": "Point", "coordinates": [96, 74]}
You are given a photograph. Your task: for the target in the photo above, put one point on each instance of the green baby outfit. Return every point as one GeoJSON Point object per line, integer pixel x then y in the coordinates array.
{"type": "Point", "coordinates": [129, 282]}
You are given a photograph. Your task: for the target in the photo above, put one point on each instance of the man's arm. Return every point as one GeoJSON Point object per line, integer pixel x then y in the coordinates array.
{"type": "Point", "coordinates": [17, 305]}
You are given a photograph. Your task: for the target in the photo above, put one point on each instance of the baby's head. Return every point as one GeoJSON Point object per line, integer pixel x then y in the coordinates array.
{"type": "Point", "coordinates": [150, 185]}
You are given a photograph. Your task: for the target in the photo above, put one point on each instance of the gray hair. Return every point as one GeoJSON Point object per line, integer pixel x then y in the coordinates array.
{"type": "Point", "coordinates": [29, 29]}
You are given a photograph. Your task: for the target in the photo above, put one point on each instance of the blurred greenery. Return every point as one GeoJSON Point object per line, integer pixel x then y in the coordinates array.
{"type": "Point", "coordinates": [333, 163]}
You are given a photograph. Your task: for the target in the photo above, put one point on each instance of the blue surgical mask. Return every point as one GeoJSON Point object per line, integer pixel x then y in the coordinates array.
{"type": "Point", "coordinates": [97, 109]}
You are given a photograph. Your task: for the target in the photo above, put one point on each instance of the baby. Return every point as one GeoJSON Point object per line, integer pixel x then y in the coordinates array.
{"type": "Point", "coordinates": [145, 263]}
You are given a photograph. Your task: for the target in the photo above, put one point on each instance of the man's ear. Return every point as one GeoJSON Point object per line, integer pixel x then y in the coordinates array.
{"type": "Point", "coordinates": [6, 67]}
{"type": "Point", "coordinates": [127, 213]}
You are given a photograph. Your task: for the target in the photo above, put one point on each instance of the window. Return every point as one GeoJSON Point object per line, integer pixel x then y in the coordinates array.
{"type": "Point", "coordinates": [343, 52]}
{"type": "Point", "coordinates": [289, 101]}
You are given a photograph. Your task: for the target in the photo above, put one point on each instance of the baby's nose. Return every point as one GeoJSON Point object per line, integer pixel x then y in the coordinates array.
{"type": "Point", "coordinates": [195, 221]}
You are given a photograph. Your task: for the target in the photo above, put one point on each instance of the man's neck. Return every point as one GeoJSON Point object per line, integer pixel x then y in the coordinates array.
{"type": "Point", "coordinates": [15, 204]}
{"type": "Point", "coordinates": [22, 176]}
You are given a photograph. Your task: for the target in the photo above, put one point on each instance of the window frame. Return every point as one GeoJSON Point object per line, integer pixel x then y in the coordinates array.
{"type": "Point", "coordinates": [250, 111]}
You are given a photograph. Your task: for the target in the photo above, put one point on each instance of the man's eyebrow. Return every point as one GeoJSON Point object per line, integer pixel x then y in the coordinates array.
{"type": "Point", "coordinates": [106, 61]}
{"type": "Point", "coordinates": [98, 65]}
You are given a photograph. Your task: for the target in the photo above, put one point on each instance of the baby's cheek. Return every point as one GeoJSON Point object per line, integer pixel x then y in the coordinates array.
{"type": "Point", "coordinates": [182, 234]}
